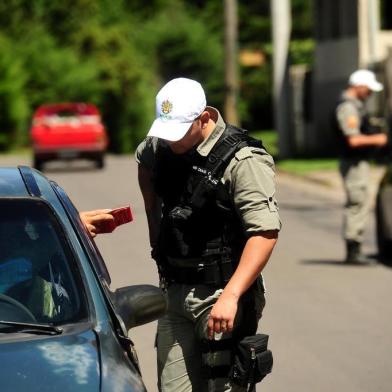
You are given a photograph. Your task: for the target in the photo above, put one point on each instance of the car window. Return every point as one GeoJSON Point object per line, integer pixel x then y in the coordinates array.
{"type": "Point", "coordinates": [39, 279]}
{"type": "Point", "coordinates": [67, 117]}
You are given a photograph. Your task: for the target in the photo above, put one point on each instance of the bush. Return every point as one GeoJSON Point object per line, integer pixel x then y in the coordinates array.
{"type": "Point", "coordinates": [118, 53]}
{"type": "Point", "coordinates": [14, 109]}
{"type": "Point", "coordinates": [182, 45]}
{"type": "Point", "coordinates": [125, 77]}
{"type": "Point", "coordinates": [55, 73]}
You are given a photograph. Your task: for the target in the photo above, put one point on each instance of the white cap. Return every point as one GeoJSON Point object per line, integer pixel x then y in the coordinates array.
{"type": "Point", "coordinates": [178, 103]}
{"type": "Point", "coordinates": [364, 77]}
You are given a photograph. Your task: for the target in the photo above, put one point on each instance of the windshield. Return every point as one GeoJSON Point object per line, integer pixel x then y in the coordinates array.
{"type": "Point", "coordinates": [39, 280]}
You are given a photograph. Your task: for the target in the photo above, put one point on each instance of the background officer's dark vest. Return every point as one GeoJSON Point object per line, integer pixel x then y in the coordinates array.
{"type": "Point", "coordinates": [198, 217]}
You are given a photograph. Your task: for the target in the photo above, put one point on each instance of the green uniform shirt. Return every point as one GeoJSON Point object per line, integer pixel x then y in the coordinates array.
{"type": "Point", "coordinates": [250, 179]}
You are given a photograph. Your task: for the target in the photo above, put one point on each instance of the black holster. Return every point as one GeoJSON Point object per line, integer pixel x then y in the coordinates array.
{"type": "Point", "coordinates": [252, 361]}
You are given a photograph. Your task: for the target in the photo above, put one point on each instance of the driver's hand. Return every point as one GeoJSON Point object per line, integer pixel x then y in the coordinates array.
{"type": "Point", "coordinates": [98, 221]}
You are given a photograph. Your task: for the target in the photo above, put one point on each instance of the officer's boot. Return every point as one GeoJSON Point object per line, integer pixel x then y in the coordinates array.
{"type": "Point", "coordinates": [354, 255]}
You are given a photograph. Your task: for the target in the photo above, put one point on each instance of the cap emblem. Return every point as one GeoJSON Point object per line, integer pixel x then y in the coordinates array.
{"type": "Point", "coordinates": [166, 106]}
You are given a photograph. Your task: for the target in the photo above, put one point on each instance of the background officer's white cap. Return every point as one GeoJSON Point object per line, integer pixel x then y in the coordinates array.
{"type": "Point", "coordinates": [364, 77]}
{"type": "Point", "coordinates": [178, 104]}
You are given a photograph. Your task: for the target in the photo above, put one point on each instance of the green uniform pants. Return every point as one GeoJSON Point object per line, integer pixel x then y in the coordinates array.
{"type": "Point", "coordinates": [179, 335]}
{"type": "Point", "coordinates": [356, 179]}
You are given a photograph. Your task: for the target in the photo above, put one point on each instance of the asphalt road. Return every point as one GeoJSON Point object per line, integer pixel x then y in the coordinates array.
{"type": "Point", "coordinates": [329, 323]}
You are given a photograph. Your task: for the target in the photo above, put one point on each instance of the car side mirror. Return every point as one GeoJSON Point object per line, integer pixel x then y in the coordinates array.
{"type": "Point", "coordinates": [139, 304]}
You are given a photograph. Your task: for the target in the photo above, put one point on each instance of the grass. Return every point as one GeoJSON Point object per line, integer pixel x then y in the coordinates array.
{"type": "Point", "coordinates": [293, 166]}
{"type": "Point", "coordinates": [17, 151]}
{"type": "Point", "coordinates": [306, 166]}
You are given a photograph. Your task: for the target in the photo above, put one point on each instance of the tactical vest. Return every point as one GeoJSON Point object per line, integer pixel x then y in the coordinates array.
{"type": "Point", "coordinates": [199, 222]}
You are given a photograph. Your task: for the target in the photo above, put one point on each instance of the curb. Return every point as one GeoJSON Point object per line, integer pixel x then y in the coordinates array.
{"type": "Point", "coordinates": [327, 183]}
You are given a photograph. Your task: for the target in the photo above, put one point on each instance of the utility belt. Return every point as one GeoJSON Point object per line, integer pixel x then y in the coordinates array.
{"type": "Point", "coordinates": [360, 154]}
{"type": "Point", "coordinates": [214, 270]}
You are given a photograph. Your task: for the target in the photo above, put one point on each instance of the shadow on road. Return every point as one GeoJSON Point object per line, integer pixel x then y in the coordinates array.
{"type": "Point", "coordinates": [385, 262]}
{"type": "Point", "coordinates": [338, 263]}
{"type": "Point", "coordinates": [69, 168]}
{"type": "Point", "coordinates": [307, 207]}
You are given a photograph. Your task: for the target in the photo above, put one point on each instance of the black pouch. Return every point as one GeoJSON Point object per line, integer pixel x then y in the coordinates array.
{"type": "Point", "coordinates": [252, 361]}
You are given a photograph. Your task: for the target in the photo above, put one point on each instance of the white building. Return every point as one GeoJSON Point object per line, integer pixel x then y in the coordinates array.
{"type": "Point", "coordinates": [350, 34]}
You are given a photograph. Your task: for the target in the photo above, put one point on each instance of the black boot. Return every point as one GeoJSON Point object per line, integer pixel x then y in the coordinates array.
{"type": "Point", "coordinates": [354, 255]}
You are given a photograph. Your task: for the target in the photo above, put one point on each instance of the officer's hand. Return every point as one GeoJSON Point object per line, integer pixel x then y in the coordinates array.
{"type": "Point", "coordinates": [382, 139]}
{"type": "Point", "coordinates": [97, 221]}
{"type": "Point", "coordinates": [222, 315]}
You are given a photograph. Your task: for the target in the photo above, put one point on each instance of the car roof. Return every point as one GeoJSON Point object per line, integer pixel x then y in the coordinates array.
{"type": "Point", "coordinates": [11, 183]}
{"type": "Point", "coordinates": [23, 181]}
{"type": "Point", "coordinates": [26, 182]}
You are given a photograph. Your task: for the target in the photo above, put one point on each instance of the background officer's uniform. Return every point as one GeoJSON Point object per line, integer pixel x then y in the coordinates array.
{"type": "Point", "coordinates": [354, 167]}
{"type": "Point", "coordinates": [249, 179]}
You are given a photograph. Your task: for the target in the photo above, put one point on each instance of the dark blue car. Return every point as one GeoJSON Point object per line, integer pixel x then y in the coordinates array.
{"type": "Point", "coordinates": [61, 327]}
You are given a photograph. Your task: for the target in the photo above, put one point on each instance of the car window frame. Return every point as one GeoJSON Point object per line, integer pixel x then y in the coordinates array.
{"type": "Point", "coordinates": [63, 239]}
{"type": "Point", "coordinates": [87, 241]}
{"type": "Point", "coordinates": [93, 255]}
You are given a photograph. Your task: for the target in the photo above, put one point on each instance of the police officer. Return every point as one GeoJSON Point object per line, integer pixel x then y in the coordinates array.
{"type": "Point", "coordinates": [213, 220]}
{"type": "Point", "coordinates": [357, 144]}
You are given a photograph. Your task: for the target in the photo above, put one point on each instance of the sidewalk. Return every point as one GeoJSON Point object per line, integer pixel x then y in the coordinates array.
{"type": "Point", "coordinates": [327, 183]}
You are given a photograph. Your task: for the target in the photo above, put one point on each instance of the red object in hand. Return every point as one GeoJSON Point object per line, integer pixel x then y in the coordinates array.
{"type": "Point", "coordinates": [106, 227]}
{"type": "Point", "coordinates": [122, 215]}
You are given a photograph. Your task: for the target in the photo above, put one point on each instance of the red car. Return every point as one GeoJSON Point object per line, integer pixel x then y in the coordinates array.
{"type": "Point", "coordinates": [68, 131]}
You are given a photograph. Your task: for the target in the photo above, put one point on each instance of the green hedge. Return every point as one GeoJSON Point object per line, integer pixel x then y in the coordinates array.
{"type": "Point", "coordinates": [118, 53]}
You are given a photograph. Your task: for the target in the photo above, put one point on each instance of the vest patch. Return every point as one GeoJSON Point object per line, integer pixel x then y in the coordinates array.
{"type": "Point", "coordinates": [352, 122]}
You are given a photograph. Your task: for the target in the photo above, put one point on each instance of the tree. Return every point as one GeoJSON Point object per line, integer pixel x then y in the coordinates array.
{"type": "Point", "coordinates": [14, 108]}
